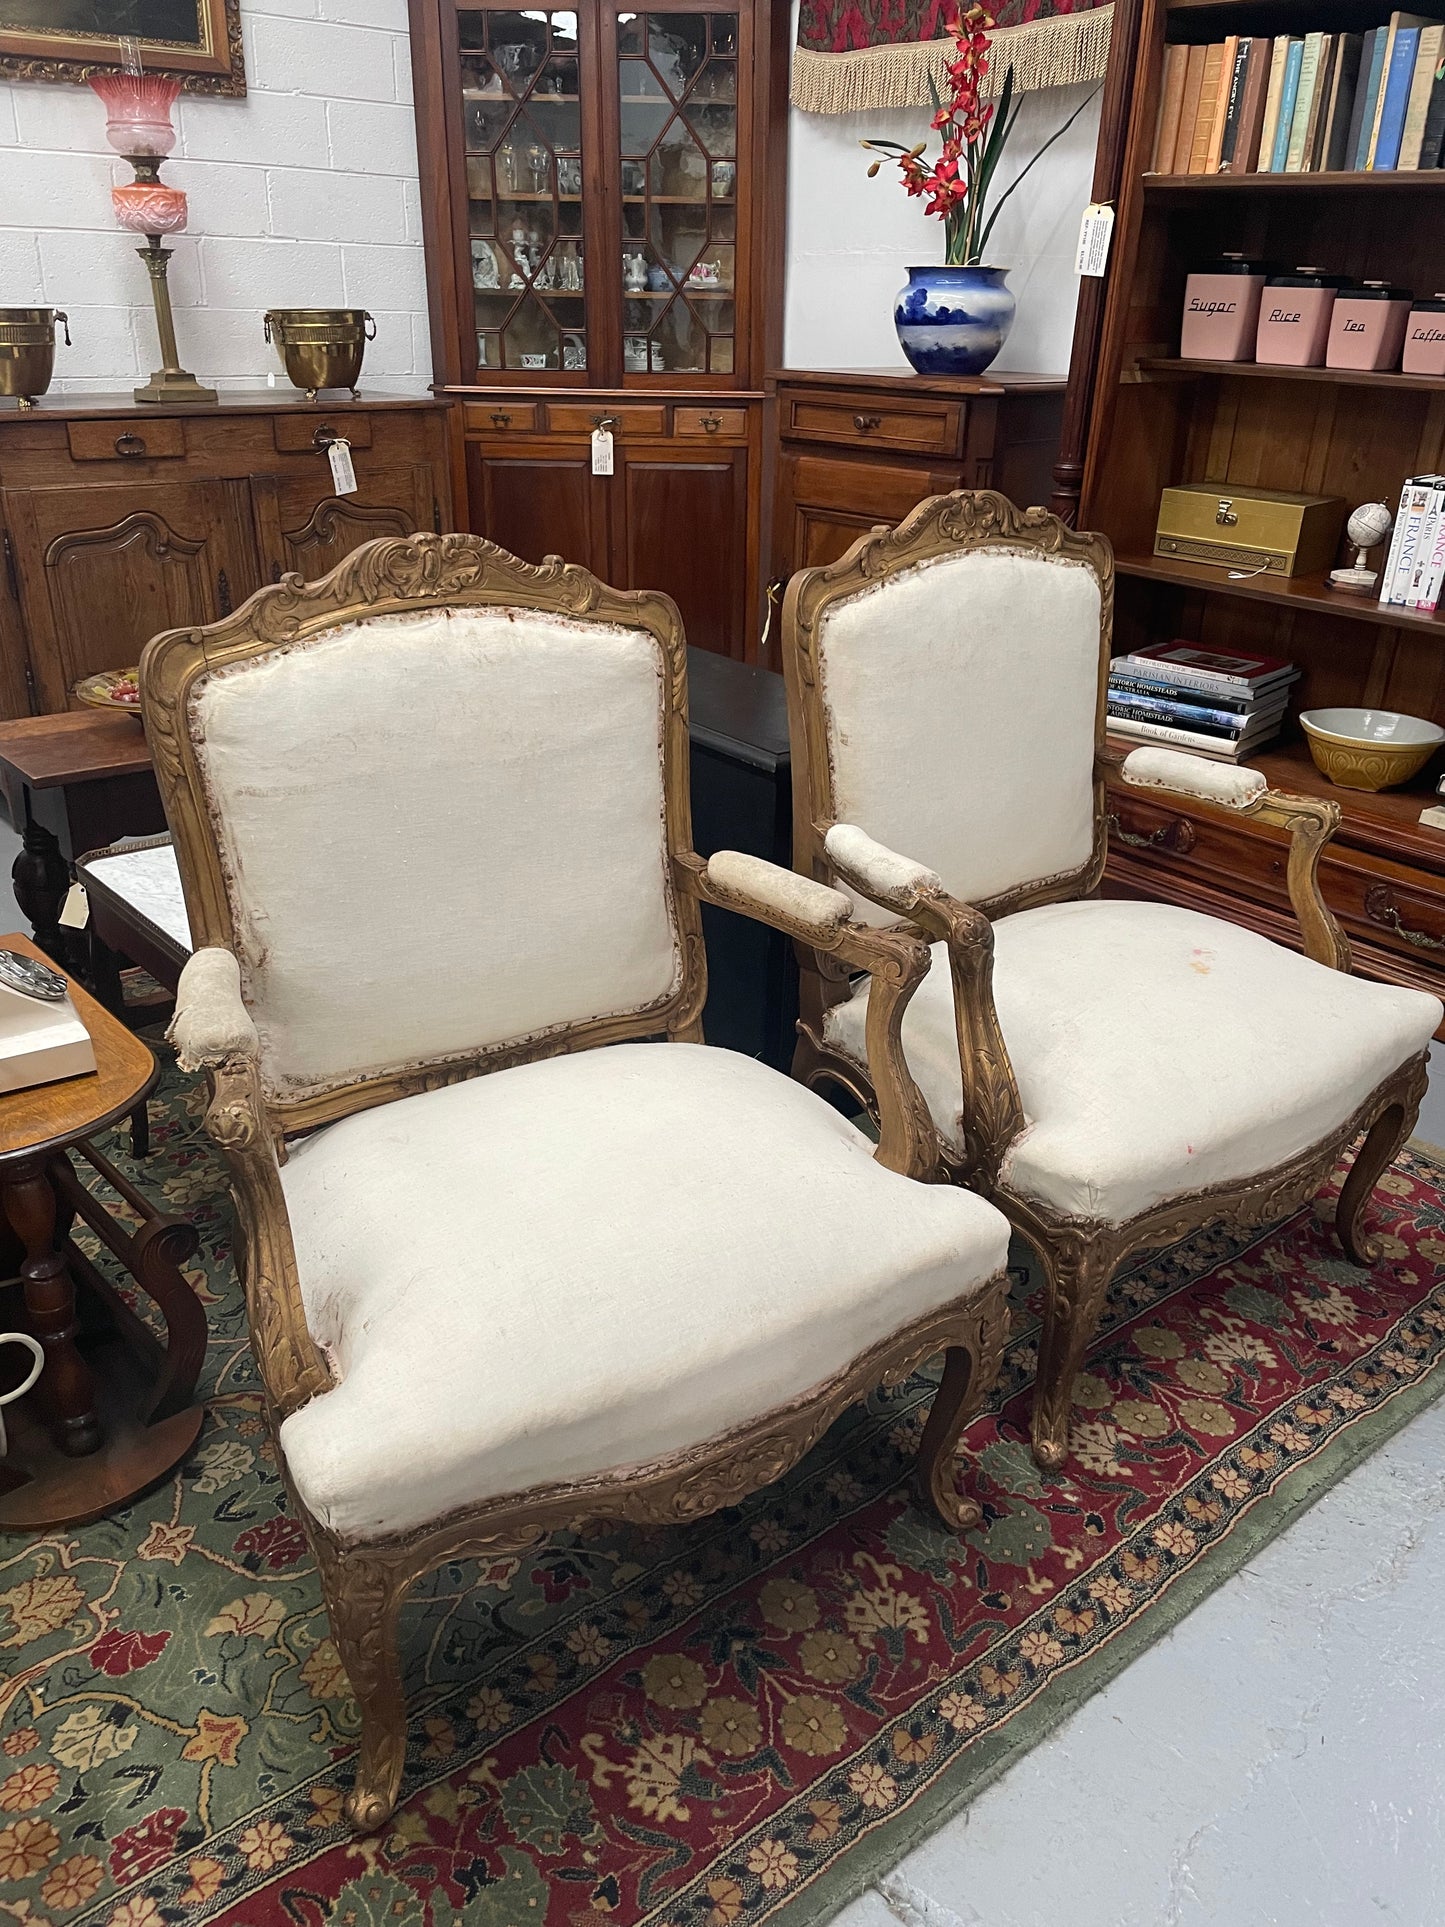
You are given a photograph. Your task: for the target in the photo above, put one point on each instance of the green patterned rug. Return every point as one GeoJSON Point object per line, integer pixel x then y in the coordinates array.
{"type": "Point", "coordinates": [743, 1721]}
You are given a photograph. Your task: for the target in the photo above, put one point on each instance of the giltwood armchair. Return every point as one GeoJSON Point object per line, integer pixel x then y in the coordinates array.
{"type": "Point", "coordinates": [1111, 1073]}
{"type": "Point", "coordinates": [431, 817]}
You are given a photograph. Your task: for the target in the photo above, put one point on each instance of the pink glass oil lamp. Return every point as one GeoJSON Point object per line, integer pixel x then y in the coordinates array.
{"type": "Point", "coordinates": [138, 125]}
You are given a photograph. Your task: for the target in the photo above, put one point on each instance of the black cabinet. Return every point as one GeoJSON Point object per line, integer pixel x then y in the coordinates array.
{"type": "Point", "coordinates": [742, 800]}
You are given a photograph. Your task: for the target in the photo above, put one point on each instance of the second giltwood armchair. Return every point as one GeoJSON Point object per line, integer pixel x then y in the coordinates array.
{"type": "Point", "coordinates": [431, 818]}
{"type": "Point", "coordinates": [1112, 1074]}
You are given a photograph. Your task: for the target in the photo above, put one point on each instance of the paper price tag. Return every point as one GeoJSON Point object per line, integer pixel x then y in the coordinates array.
{"type": "Point", "coordinates": [1096, 230]}
{"type": "Point", "coordinates": [75, 914]}
{"type": "Point", "coordinates": [602, 451]}
{"type": "Point", "coordinates": [343, 469]}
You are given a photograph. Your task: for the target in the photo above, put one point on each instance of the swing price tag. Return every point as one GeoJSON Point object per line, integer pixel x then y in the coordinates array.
{"type": "Point", "coordinates": [1095, 233]}
{"type": "Point", "coordinates": [343, 469]}
{"type": "Point", "coordinates": [602, 451]}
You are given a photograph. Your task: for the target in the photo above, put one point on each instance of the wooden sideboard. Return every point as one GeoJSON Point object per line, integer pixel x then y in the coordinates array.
{"type": "Point", "coordinates": [119, 520]}
{"type": "Point", "coordinates": [861, 446]}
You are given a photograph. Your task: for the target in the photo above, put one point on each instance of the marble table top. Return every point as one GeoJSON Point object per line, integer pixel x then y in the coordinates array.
{"type": "Point", "coordinates": [149, 881]}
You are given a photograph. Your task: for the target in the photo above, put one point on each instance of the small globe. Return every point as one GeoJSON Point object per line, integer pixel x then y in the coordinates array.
{"type": "Point", "coordinates": [1369, 524]}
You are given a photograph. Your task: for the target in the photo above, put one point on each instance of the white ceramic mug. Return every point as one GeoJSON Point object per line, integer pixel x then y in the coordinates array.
{"type": "Point", "coordinates": [33, 1346]}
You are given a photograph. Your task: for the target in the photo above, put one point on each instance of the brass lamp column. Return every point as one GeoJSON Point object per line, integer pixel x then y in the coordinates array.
{"type": "Point", "coordinates": [138, 125]}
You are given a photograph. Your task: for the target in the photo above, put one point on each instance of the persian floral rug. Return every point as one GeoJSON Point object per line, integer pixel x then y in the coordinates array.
{"type": "Point", "coordinates": [854, 55]}
{"type": "Point", "coordinates": [744, 1721]}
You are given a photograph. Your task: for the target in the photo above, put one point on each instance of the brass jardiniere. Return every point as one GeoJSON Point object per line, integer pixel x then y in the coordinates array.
{"type": "Point", "coordinates": [27, 351]}
{"type": "Point", "coordinates": [320, 347]}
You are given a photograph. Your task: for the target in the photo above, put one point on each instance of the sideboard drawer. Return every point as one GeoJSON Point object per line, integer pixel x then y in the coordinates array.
{"type": "Point", "coordinates": [580, 418]}
{"type": "Point", "coordinates": [128, 440]}
{"type": "Point", "coordinates": [312, 434]}
{"type": "Point", "coordinates": [711, 424]}
{"type": "Point", "coordinates": [1161, 830]}
{"type": "Point", "coordinates": [1385, 904]}
{"type": "Point", "coordinates": [501, 417]}
{"type": "Point", "coordinates": [867, 421]}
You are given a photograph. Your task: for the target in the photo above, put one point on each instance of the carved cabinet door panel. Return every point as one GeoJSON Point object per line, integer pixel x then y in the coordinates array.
{"type": "Point", "coordinates": [683, 528]}
{"type": "Point", "coordinates": [301, 524]}
{"type": "Point", "coordinates": [99, 571]}
{"type": "Point", "coordinates": [822, 504]}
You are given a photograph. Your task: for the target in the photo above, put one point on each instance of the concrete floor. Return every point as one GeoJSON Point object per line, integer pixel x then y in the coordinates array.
{"type": "Point", "coordinates": [1278, 1760]}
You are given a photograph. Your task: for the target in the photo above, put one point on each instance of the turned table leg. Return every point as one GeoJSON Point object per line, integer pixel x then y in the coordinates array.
{"type": "Point", "coordinates": [40, 878]}
{"type": "Point", "coordinates": [29, 1204]}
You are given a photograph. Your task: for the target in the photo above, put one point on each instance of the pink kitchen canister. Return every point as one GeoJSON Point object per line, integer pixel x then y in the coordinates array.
{"type": "Point", "coordinates": [1221, 310]}
{"type": "Point", "coordinates": [1425, 338]}
{"type": "Point", "coordinates": [1294, 317]}
{"type": "Point", "coordinates": [1367, 326]}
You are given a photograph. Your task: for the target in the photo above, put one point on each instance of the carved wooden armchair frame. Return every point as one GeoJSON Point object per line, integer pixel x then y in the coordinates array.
{"type": "Point", "coordinates": [1079, 1255]}
{"type": "Point", "coordinates": [364, 1584]}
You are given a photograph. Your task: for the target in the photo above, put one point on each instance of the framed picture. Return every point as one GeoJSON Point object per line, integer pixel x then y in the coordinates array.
{"type": "Point", "coordinates": [197, 42]}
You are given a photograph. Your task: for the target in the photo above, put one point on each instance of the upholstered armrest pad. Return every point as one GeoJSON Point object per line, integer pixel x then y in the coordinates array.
{"type": "Point", "coordinates": [880, 872]}
{"type": "Point", "coordinates": [783, 892]}
{"type": "Point", "coordinates": [1222, 784]}
{"type": "Point", "coordinates": [211, 1023]}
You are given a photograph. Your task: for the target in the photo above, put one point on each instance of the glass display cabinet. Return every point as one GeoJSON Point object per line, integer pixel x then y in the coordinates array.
{"type": "Point", "coordinates": [603, 207]}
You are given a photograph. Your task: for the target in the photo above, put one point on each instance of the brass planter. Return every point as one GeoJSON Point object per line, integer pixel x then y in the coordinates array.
{"type": "Point", "coordinates": [27, 351]}
{"type": "Point", "coordinates": [320, 347]}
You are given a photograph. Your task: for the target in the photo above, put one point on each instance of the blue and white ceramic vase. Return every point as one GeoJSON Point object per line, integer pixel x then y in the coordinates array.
{"type": "Point", "coordinates": [953, 321]}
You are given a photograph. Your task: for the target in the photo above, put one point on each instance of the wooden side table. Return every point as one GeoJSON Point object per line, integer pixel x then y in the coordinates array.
{"type": "Point", "coordinates": [84, 779]}
{"type": "Point", "coordinates": [112, 1411]}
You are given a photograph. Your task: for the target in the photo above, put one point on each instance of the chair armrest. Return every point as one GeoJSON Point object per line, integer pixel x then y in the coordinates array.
{"type": "Point", "coordinates": [993, 1112]}
{"type": "Point", "coordinates": [897, 960]}
{"type": "Point", "coordinates": [212, 1030]}
{"type": "Point", "coordinates": [1309, 822]}
{"type": "Point", "coordinates": [211, 1024]}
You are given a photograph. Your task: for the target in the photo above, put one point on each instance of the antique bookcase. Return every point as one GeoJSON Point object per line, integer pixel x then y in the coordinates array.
{"type": "Point", "coordinates": [603, 211]}
{"type": "Point", "coordinates": [1157, 420]}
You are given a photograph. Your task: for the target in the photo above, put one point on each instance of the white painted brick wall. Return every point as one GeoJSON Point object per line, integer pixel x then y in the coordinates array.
{"type": "Point", "coordinates": [302, 195]}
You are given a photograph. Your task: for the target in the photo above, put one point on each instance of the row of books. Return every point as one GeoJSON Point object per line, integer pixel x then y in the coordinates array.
{"type": "Point", "coordinates": [1414, 570]}
{"type": "Point", "coordinates": [1306, 103]}
{"type": "Point", "coordinates": [1215, 704]}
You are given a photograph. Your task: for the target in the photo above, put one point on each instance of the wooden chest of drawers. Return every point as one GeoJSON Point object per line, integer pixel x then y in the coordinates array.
{"type": "Point", "coordinates": [1382, 876]}
{"type": "Point", "coordinates": [864, 446]}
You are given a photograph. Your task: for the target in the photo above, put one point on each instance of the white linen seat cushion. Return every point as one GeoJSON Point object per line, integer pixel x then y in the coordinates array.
{"type": "Point", "coordinates": [1157, 1051]}
{"type": "Point", "coordinates": [587, 1263]}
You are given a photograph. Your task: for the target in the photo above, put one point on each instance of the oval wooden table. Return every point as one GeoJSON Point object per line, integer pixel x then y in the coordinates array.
{"type": "Point", "coordinates": [112, 1412]}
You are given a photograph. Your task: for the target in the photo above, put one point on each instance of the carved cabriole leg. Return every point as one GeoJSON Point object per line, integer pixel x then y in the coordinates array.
{"type": "Point", "coordinates": [969, 1369]}
{"type": "Point", "coordinates": [1078, 1267]}
{"type": "Point", "coordinates": [363, 1595]}
{"type": "Point", "coordinates": [1381, 1147]}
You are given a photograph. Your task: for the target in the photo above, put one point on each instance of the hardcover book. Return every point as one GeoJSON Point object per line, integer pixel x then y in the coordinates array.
{"type": "Point", "coordinates": [1304, 100]}
{"type": "Point", "coordinates": [1208, 108]}
{"type": "Point", "coordinates": [1189, 111]}
{"type": "Point", "coordinates": [1274, 91]}
{"type": "Point", "coordinates": [1395, 97]}
{"type": "Point", "coordinates": [1289, 94]}
{"type": "Point", "coordinates": [1171, 105]}
{"type": "Point", "coordinates": [1375, 43]}
{"type": "Point", "coordinates": [1336, 144]}
{"type": "Point", "coordinates": [1188, 661]}
{"type": "Point", "coordinates": [1422, 85]}
{"type": "Point", "coordinates": [1228, 61]}
{"type": "Point", "coordinates": [1251, 115]}
{"type": "Point", "coordinates": [1234, 105]}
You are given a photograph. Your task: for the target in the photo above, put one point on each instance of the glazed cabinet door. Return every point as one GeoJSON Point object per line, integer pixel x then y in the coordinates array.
{"type": "Point", "coordinates": [681, 525]}
{"type": "Point", "coordinates": [99, 571]}
{"type": "Point", "coordinates": [541, 499]}
{"type": "Point", "coordinates": [301, 525]}
{"type": "Point", "coordinates": [527, 142]}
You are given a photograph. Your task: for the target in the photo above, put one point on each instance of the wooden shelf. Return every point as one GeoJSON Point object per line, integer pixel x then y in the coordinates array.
{"type": "Point", "coordinates": [1290, 592]}
{"type": "Point", "coordinates": [1268, 371]}
{"type": "Point", "coordinates": [1428, 179]}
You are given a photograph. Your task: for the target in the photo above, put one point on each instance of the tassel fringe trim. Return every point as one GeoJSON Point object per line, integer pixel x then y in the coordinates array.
{"type": "Point", "coordinates": [1060, 52]}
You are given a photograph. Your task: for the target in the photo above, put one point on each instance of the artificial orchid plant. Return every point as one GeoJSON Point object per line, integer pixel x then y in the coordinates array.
{"type": "Point", "coordinates": [974, 136]}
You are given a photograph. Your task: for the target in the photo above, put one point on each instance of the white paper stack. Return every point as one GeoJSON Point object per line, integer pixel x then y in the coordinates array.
{"type": "Point", "coordinates": [40, 1043]}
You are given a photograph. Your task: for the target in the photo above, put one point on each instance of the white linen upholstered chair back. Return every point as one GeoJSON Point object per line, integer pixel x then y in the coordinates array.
{"type": "Point", "coordinates": [439, 817]}
{"type": "Point", "coordinates": [962, 692]}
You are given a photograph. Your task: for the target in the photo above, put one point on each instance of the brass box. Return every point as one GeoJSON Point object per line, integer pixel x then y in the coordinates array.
{"type": "Point", "coordinates": [1265, 530]}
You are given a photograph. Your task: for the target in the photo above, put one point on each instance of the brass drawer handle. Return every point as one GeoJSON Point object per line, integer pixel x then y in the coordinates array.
{"type": "Point", "coordinates": [864, 422]}
{"type": "Point", "coordinates": [501, 418]}
{"type": "Point", "coordinates": [323, 437]}
{"type": "Point", "coordinates": [131, 446]}
{"type": "Point", "coordinates": [1176, 836]}
{"type": "Point", "coordinates": [1381, 908]}
{"type": "Point", "coordinates": [711, 423]}
{"type": "Point", "coordinates": [605, 421]}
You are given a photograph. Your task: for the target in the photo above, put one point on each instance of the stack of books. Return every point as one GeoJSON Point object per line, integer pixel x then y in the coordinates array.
{"type": "Point", "coordinates": [1306, 103]}
{"type": "Point", "coordinates": [1414, 570]}
{"type": "Point", "coordinates": [1214, 704]}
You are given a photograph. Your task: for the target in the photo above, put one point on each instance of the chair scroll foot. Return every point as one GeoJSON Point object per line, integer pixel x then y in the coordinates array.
{"type": "Point", "coordinates": [363, 1598]}
{"type": "Point", "coordinates": [1381, 1147]}
{"type": "Point", "coordinates": [1078, 1277]}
